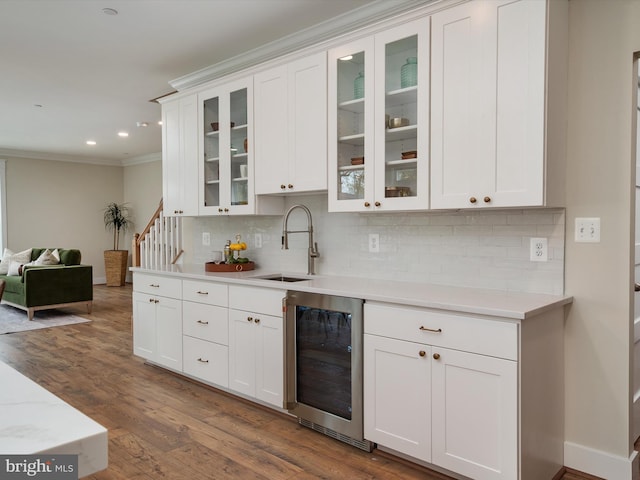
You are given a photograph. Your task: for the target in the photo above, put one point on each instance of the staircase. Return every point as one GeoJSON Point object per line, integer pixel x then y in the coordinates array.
{"type": "Point", "coordinates": [160, 243]}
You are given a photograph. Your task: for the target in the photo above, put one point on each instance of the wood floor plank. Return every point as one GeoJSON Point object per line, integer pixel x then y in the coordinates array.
{"type": "Point", "coordinates": [162, 426]}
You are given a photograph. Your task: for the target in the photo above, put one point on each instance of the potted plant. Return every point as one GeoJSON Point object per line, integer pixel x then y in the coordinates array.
{"type": "Point", "coordinates": [116, 218]}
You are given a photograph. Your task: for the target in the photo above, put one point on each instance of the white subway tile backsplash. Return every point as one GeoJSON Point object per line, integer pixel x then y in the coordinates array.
{"type": "Point", "coordinates": [486, 249]}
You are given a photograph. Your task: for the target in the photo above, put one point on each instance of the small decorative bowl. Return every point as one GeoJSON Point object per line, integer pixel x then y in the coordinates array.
{"type": "Point", "coordinates": [398, 122]}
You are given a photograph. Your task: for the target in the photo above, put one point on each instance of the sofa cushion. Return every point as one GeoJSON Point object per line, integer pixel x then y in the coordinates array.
{"type": "Point", "coordinates": [8, 257]}
{"type": "Point", "coordinates": [15, 269]}
{"type": "Point", "coordinates": [13, 284]}
{"type": "Point", "coordinates": [71, 256]}
{"type": "Point", "coordinates": [48, 258]}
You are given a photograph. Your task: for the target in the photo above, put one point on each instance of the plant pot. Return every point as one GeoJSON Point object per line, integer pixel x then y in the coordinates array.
{"type": "Point", "coordinates": [115, 267]}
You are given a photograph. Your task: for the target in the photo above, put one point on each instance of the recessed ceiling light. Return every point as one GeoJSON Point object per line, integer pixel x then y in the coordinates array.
{"type": "Point", "coordinates": [91, 142]}
{"type": "Point", "coordinates": [109, 11]}
{"type": "Point", "coordinates": [142, 124]}
{"type": "Point", "coordinates": [160, 122]}
{"type": "Point", "coordinates": [123, 134]}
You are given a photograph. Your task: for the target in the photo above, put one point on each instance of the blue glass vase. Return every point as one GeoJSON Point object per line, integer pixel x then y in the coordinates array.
{"type": "Point", "coordinates": [409, 73]}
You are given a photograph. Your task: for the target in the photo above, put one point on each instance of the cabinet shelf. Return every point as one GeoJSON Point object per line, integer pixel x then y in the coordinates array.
{"type": "Point", "coordinates": [401, 133]}
{"type": "Point", "coordinates": [212, 159]}
{"type": "Point", "coordinates": [410, 162]}
{"type": "Point", "coordinates": [239, 127]}
{"type": "Point", "coordinates": [402, 96]}
{"type": "Point", "coordinates": [353, 106]}
{"type": "Point", "coordinates": [357, 139]}
{"type": "Point", "coordinates": [350, 168]}
{"type": "Point", "coordinates": [212, 182]}
{"type": "Point", "coordinates": [212, 134]}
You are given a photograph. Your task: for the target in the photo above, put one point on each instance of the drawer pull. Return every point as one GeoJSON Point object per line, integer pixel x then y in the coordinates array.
{"type": "Point", "coordinates": [436, 356]}
{"type": "Point", "coordinates": [202, 293]}
{"type": "Point", "coordinates": [202, 322]}
{"type": "Point", "coordinates": [422, 353]}
{"type": "Point", "coordinates": [435, 330]}
{"type": "Point", "coordinates": [154, 285]}
{"type": "Point", "coordinates": [203, 361]}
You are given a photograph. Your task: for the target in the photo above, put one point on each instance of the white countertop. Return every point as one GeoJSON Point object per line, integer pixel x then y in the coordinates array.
{"type": "Point", "coordinates": [35, 421]}
{"type": "Point", "coordinates": [459, 299]}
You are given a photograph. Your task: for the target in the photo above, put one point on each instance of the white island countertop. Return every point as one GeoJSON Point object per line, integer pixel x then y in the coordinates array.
{"type": "Point", "coordinates": [495, 303]}
{"type": "Point", "coordinates": [35, 421]}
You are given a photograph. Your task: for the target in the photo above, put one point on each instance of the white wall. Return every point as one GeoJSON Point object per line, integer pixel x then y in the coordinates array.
{"type": "Point", "coordinates": [60, 204]}
{"type": "Point", "coordinates": [603, 39]}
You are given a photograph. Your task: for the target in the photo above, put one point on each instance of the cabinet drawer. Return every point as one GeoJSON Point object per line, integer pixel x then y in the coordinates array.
{"type": "Point", "coordinates": [156, 285]}
{"type": "Point", "coordinates": [206, 361]}
{"type": "Point", "coordinates": [207, 322]}
{"type": "Point", "coordinates": [470, 334]}
{"type": "Point", "coordinates": [259, 300]}
{"type": "Point", "coordinates": [205, 292]}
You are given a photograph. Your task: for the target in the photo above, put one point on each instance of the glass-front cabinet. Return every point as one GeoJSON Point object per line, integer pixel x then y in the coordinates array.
{"type": "Point", "coordinates": [379, 121]}
{"type": "Point", "coordinates": [225, 126]}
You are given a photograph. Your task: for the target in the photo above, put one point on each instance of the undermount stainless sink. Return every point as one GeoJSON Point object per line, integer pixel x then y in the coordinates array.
{"type": "Point", "coordinates": [279, 277]}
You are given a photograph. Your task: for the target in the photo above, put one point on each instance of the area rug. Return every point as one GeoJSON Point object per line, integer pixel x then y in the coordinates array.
{"type": "Point", "coordinates": [14, 320]}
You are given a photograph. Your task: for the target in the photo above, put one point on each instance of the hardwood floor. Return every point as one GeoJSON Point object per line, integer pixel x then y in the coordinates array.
{"type": "Point", "coordinates": [163, 426]}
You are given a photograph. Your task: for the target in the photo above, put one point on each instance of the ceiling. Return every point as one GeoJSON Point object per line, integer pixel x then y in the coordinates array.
{"type": "Point", "coordinates": [71, 73]}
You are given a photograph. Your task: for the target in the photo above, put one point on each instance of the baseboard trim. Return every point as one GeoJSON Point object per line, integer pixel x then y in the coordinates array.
{"type": "Point", "coordinates": [601, 464]}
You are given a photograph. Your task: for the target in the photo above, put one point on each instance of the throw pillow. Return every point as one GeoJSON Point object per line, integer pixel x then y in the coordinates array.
{"type": "Point", "coordinates": [47, 258]}
{"type": "Point", "coordinates": [15, 269]}
{"type": "Point", "coordinates": [8, 257]}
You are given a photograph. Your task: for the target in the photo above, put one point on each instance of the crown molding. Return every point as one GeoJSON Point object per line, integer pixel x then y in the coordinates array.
{"type": "Point", "coordinates": [148, 158]}
{"type": "Point", "coordinates": [328, 30]}
{"type": "Point", "coordinates": [59, 157]}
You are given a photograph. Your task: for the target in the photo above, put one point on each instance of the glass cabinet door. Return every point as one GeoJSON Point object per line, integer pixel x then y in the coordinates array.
{"type": "Point", "coordinates": [351, 113]}
{"type": "Point", "coordinates": [239, 148]}
{"type": "Point", "coordinates": [402, 157]}
{"type": "Point", "coordinates": [212, 152]}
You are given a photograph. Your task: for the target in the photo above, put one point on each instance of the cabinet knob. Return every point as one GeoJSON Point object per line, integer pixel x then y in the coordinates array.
{"type": "Point", "coordinates": [176, 212]}
{"type": "Point", "coordinates": [226, 210]}
{"type": "Point", "coordinates": [473, 200]}
{"type": "Point", "coordinates": [282, 186]}
{"type": "Point", "coordinates": [220, 210]}
{"type": "Point", "coordinates": [487, 199]}
{"type": "Point", "coordinates": [151, 300]}
{"type": "Point", "coordinates": [290, 186]}
{"type": "Point", "coordinates": [422, 353]}
{"type": "Point", "coordinates": [367, 204]}
{"type": "Point", "coordinates": [257, 320]}
{"type": "Point", "coordinates": [436, 356]}
{"type": "Point", "coordinates": [377, 204]}
{"type": "Point", "coordinates": [249, 319]}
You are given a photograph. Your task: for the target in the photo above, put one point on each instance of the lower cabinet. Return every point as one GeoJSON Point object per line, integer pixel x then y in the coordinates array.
{"type": "Point", "coordinates": [444, 389]}
{"type": "Point", "coordinates": [157, 329]}
{"type": "Point", "coordinates": [256, 343]}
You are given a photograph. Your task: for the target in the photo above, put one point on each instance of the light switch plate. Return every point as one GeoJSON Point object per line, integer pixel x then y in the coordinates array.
{"type": "Point", "coordinates": [588, 230]}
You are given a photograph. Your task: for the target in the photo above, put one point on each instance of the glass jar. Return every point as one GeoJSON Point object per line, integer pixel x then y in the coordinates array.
{"type": "Point", "coordinates": [358, 86]}
{"type": "Point", "coordinates": [409, 73]}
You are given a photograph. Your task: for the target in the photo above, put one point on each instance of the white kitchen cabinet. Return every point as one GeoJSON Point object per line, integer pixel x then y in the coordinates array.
{"type": "Point", "coordinates": [256, 343]}
{"type": "Point", "coordinates": [205, 329]}
{"type": "Point", "coordinates": [180, 156]}
{"type": "Point", "coordinates": [488, 104]}
{"type": "Point", "coordinates": [372, 166]}
{"type": "Point", "coordinates": [479, 395]}
{"type": "Point", "coordinates": [290, 103]}
{"type": "Point", "coordinates": [225, 132]}
{"type": "Point", "coordinates": [396, 370]}
{"type": "Point", "coordinates": [157, 329]}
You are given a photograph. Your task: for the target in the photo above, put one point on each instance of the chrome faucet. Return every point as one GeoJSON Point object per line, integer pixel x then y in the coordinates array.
{"type": "Point", "coordinates": [313, 246]}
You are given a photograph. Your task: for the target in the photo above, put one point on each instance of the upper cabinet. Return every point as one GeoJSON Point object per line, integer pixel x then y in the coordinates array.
{"type": "Point", "coordinates": [290, 103]}
{"type": "Point", "coordinates": [488, 104]}
{"type": "Point", "coordinates": [379, 121]}
{"type": "Point", "coordinates": [225, 126]}
{"type": "Point", "coordinates": [180, 156]}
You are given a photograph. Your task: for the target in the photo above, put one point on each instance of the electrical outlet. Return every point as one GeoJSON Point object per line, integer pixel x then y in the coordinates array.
{"type": "Point", "coordinates": [374, 242]}
{"type": "Point", "coordinates": [588, 230]}
{"type": "Point", "coordinates": [257, 240]}
{"type": "Point", "coordinates": [538, 250]}
{"type": "Point", "coordinates": [206, 239]}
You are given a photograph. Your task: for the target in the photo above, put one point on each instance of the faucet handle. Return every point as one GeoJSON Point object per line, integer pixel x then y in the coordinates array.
{"type": "Point", "coordinates": [314, 252]}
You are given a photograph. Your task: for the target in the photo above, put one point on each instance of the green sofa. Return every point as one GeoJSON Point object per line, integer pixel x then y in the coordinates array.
{"type": "Point", "coordinates": [51, 286]}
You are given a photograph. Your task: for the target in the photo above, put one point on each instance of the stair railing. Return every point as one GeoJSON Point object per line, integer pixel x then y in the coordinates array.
{"type": "Point", "coordinates": [160, 243]}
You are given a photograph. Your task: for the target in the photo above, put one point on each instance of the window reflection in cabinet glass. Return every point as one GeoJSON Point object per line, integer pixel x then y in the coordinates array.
{"type": "Point", "coordinates": [401, 103]}
{"type": "Point", "coordinates": [351, 184]}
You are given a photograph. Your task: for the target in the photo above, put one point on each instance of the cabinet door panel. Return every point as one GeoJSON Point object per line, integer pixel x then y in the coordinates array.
{"type": "Point", "coordinates": [475, 415]}
{"type": "Point", "coordinates": [270, 360]}
{"type": "Point", "coordinates": [172, 182]}
{"type": "Point", "coordinates": [242, 352]}
{"type": "Point", "coordinates": [397, 395]}
{"type": "Point", "coordinates": [144, 325]}
{"type": "Point", "coordinates": [169, 333]}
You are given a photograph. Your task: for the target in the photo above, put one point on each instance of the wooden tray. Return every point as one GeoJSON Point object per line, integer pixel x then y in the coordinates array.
{"type": "Point", "coordinates": [229, 267]}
